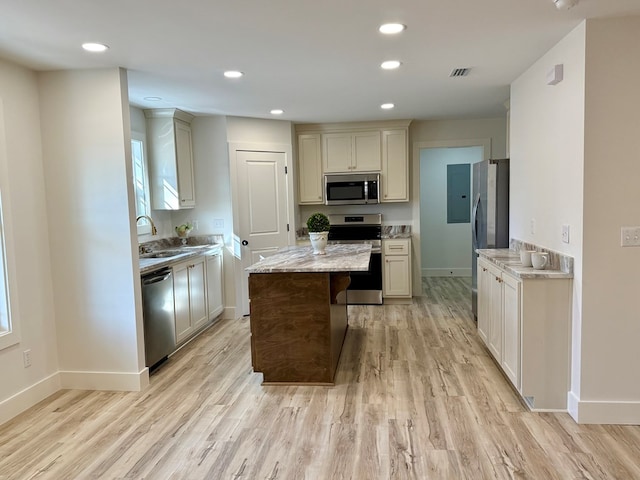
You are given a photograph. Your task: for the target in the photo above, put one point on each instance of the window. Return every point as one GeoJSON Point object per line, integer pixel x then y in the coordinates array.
{"type": "Point", "coordinates": [5, 312]}
{"type": "Point", "coordinates": [140, 182]}
{"type": "Point", "coordinates": [9, 324]}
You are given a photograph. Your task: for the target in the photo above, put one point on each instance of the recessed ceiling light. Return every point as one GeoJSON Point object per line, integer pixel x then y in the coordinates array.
{"type": "Point", "coordinates": [95, 47]}
{"type": "Point", "coordinates": [387, 106]}
{"type": "Point", "coordinates": [391, 28]}
{"type": "Point", "coordinates": [390, 64]}
{"type": "Point", "coordinates": [277, 111]}
{"type": "Point", "coordinates": [153, 99]}
{"type": "Point", "coordinates": [233, 74]}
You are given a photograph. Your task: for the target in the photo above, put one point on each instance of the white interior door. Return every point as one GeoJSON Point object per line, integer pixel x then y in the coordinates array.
{"type": "Point", "coordinates": [262, 189]}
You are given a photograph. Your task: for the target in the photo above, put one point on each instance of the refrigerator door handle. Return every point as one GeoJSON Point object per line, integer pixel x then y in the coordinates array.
{"type": "Point", "coordinates": [474, 224]}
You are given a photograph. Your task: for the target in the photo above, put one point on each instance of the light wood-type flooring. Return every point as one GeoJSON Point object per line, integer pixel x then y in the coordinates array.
{"type": "Point", "coordinates": [417, 397]}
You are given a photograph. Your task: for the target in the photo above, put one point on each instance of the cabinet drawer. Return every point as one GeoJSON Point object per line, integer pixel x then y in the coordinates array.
{"type": "Point", "coordinates": [396, 247]}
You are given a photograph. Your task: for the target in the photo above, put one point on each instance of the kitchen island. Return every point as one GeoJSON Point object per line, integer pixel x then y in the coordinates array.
{"type": "Point", "coordinates": [299, 312]}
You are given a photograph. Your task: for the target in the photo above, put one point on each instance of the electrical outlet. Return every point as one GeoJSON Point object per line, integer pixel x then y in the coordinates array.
{"type": "Point", "coordinates": [218, 223]}
{"type": "Point", "coordinates": [195, 224]}
{"type": "Point", "coordinates": [630, 236]}
{"type": "Point", "coordinates": [565, 233]}
{"type": "Point", "coordinates": [26, 358]}
{"type": "Point", "coordinates": [533, 226]}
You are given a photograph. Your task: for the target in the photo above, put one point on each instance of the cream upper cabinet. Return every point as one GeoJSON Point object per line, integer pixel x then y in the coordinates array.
{"type": "Point", "coordinates": [170, 159]}
{"type": "Point", "coordinates": [350, 148]}
{"type": "Point", "coordinates": [395, 166]}
{"type": "Point", "coordinates": [310, 188]}
{"type": "Point", "coordinates": [351, 152]}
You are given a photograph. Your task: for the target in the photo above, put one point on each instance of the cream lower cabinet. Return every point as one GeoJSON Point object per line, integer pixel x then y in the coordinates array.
{"type": "Point", "coordinates": [215, 304]}
{"type": "Point", "coordinates": [189, 292]}
{"type": "Point", "coordinates": [396, 268]}
{"type": "Point", "coordinates": [525, 324]}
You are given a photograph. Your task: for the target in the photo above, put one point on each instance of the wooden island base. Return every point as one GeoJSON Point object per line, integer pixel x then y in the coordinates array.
{"type": "Point", "coordinates": [298, 325]}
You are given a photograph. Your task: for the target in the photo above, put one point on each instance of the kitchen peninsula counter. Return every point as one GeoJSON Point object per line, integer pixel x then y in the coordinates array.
{"type": "Point", "coordinates": [299, 312]}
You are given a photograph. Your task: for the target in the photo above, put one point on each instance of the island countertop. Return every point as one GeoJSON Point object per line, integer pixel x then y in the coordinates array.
{"type": "Point", "coordinates": [339, 258]}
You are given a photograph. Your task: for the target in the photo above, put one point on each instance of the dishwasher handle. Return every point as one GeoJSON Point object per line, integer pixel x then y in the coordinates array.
{"type": "Point", "coordinates": [156, 277]}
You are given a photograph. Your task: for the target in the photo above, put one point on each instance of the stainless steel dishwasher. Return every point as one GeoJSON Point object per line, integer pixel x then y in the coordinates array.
{"type": "Point", "coordinates": [159, 316]}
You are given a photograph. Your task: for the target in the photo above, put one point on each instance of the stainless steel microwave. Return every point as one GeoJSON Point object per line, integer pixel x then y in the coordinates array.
{"type": "Point", "coordinates": [352, 189]}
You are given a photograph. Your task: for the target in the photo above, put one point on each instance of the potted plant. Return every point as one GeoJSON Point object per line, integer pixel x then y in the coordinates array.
{"type": "Point", "coordinates": [183, 231]}
{"type": "Point", "coordinates": [318, 226]}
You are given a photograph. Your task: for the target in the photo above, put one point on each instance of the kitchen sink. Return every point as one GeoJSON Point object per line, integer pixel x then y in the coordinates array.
{"type": "Point", "coordinates": [164, 253]}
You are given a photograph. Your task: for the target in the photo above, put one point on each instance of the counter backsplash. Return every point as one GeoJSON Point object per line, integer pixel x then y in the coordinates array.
{"type": "Point", "coordinates": [388, 231]}
{"type": "Point", "coordinates": [557, 260]}
{"type": "Point", "coordinates": [171, 242]}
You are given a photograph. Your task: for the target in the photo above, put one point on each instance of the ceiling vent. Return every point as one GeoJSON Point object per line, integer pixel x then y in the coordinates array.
{"type": "Point", "coordinates": [459, 72]}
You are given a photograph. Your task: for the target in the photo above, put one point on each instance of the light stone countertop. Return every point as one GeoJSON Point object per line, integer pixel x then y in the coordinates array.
{"type": "Point", "coordinates": [339, 258]}
{"type": "Point", "coordinates": [509, 260]}
{"type": "Point", "coordinates": [148, 265]}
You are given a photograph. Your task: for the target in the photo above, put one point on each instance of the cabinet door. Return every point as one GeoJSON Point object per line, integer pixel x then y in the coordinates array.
{"type": "Point", "coordinates": [181, 300]}
{"type": "Point", "coordinates": [511, 329]}
{"type": "Point", "coordinates": [397, 281]}
{"type": "Point", "coordinates": [197, 293]}
{"type": "Point", "coordinates": [309, 169]}
{"type": "Point", "coordinates": [336, 152]}
{"type": "Point", "coordinates": [495, 314]}
{"type": "Point", "coordinates": [395, 166]}
{"type": "Point", "coordinates": [184, 160]}
{"type": "Point", "coordinates": [214, 285]}
{"type": "Point", "coordinates": [366, 155]}
{"type": "Point", "coordinates": [484, 294]}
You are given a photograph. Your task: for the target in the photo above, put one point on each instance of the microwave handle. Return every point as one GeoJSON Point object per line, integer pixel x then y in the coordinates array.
{"type": "Point", "coordinates": [366, 191]}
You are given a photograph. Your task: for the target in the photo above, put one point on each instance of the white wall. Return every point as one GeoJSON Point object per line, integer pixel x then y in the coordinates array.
{"type": "Point", "coordinates": [580, 167]}
{"type": "Point", "coordinates": [489, 132]}
{"type": "Point", "coordinates": [213, 193]}
{"type": "Point", "coordinates": [445, 247]}
{"type": "Point", "coordinates": [86, 143]}
{"type": "Point", "coordinates": [609, 374]}
{"type": "Point", "coordinates": [26, 203]}
{"type": "Point", "coordinates": [547, 152]}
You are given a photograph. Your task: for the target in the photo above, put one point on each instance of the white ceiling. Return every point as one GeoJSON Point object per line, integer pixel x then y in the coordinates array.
{"type": "Point", "coordinates": [316, 59]}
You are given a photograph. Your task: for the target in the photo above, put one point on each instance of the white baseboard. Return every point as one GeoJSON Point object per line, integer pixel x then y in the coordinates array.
{"type": "Point", "coordinates": [446, 272]}
{"type": "Point", "coordinates": [28, 397]}
{"type": "Point", "coordinates": [123, 382]}
{"type": "Point", "coordinates": [603, 412]}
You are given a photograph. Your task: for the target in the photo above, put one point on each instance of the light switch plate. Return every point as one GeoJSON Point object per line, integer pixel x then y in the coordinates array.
{"type": "Point", "coordinates": [630, 236]}
{"type": "Point", "coordinates": [218, 223]}
{"type": "Point", "coordinates": [565, 233]}
{"type": "Point", "coordinates": [533, 226]}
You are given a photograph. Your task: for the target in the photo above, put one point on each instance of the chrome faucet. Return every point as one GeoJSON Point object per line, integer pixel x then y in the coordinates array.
{"type": "Point", "coordinates": [154, 230]}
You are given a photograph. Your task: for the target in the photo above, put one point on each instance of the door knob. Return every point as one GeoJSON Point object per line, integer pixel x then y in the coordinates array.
{"type": "Point", "coordinates": [244, 243]}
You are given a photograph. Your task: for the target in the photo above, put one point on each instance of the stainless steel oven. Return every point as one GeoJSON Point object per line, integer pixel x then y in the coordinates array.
{"type": "Point", "coordinates": [365, 287]}
{"type": "Point", "coordinates": [352, 189]}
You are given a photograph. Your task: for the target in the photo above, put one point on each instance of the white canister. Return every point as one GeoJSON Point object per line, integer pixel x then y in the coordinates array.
{"type": "Point", "coordinates": [539, 260]}
{"type": "Point", "coordinates": [525, 257]}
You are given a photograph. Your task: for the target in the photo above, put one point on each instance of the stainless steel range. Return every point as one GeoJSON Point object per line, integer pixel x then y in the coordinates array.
{"type": "Point", "coordinates": [365, 287]}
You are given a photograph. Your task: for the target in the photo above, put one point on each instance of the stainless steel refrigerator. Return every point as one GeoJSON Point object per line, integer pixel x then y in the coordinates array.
{"type": "Point", "coordinates": [490, 214]}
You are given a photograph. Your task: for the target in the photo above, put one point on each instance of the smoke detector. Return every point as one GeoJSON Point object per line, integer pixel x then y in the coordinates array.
{"type": "Point", "coordinates": [565, 4]}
